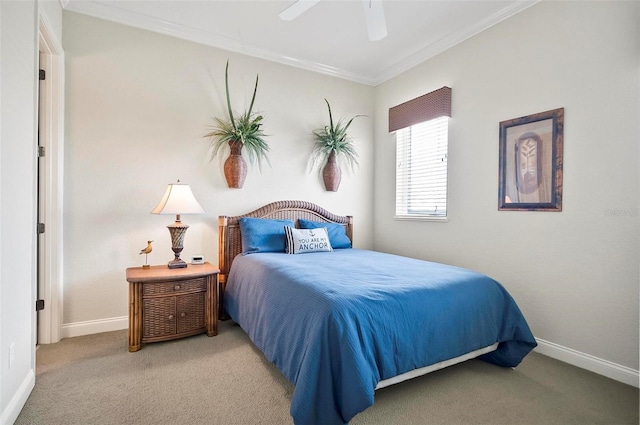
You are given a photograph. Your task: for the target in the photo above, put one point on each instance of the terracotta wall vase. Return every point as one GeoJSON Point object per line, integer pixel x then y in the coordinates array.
{"type": "Point", "coordinates": [331, 173]}
{"type": "Point", "coordinates": [235, 167]}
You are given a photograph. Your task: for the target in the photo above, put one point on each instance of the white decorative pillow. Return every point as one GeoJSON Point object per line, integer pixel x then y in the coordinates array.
{"type": "Point", "coordinates": [300, 241]}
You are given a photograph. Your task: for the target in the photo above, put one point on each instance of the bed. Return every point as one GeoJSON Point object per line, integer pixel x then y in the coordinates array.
{"type": "Point", "coordinates": [341, 322]}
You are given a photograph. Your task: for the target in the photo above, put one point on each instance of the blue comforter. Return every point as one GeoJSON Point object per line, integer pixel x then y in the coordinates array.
{"type": "Point", "coordinates": [336, 323]}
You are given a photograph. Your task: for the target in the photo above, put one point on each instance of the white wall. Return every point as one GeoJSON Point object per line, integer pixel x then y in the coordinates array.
{"type": "Point", "coordinates": [575, 273]}
{"type": "Point", "coordinates": [18, 48]}
{"type": "Point", "coordinates": [137, 107]}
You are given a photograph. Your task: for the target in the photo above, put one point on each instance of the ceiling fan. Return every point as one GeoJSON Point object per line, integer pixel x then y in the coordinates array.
{"type": "Point", "coordinates": [373, 14]}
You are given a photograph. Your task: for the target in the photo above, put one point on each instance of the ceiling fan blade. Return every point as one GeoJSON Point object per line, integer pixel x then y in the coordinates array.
{"type": "Point", "coordinates": [297, 9]}
{"type": "Point", "coordinates": [374, 16]}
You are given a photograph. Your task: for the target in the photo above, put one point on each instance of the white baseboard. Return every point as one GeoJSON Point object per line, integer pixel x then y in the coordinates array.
{"type": "Point", "coordinates": [94, 326]}
{"type": "Point", "coordinates": [585, 361]}
{"type": "Point", "coordinates": [10, 414]}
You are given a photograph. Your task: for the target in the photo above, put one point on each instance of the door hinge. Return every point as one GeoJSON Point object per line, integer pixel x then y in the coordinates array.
{"type": "Point", "coordinates": [42, 75]}
{"type": "Point", "coordinates": [41, 151]}
{"type": "Point", "coordinates": [39, 305]}
{"type": "Point", "coordinates": [40, 227]}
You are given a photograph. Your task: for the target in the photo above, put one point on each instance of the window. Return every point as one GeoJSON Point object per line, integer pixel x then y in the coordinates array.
{"type": "Point", "coordinates": [422, 134]}
{"type": "Point", "coordinates": [421, 169]}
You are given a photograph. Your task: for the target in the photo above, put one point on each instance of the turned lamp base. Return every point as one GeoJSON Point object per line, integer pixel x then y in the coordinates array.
{"type": "Point", "coordinates": [177, 231]}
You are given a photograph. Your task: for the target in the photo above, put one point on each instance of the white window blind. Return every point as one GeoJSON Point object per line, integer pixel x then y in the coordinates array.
{"type": "Point", "coordinates": [421, 169]}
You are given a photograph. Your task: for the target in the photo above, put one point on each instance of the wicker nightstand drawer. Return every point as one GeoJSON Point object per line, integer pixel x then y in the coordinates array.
{"type": "Point", "coordinates": [168, 303]}
{"type": "Point", "coordinates": [171, 287]}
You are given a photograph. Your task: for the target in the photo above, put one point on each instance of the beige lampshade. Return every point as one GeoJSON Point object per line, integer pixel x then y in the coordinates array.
{"type": "Point", "coordinates": [178, 199]}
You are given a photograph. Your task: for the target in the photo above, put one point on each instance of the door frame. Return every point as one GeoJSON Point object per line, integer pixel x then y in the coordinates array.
{"type": "Point", "coordinates": [49, 323]}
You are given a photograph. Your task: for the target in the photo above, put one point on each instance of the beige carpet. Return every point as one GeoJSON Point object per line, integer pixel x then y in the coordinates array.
{"type": "Point", "coordinates": [225, 380]}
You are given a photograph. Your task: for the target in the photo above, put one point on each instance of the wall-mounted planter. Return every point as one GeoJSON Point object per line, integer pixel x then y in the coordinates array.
{"type": "Point", "coordinates": [235, 167]}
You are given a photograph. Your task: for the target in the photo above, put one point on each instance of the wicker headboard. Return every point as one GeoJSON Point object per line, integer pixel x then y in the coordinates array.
{"type": "Point", "coordinates": [230, 242]}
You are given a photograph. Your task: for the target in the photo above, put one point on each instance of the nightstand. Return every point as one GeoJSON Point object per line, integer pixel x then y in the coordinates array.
{"type": "Point", "coordinates": [167, 304]}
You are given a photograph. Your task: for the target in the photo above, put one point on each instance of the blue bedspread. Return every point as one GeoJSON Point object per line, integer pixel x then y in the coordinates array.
{"type": "Point", "coordinates": [336, 323]}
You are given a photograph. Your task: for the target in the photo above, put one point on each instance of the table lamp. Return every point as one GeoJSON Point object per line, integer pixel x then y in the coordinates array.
{"type": "Point", "coordinates": [178, 199]}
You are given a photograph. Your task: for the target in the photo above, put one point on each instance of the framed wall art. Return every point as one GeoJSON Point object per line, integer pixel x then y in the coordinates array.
{"type": "Point", "coordinates": [530, 171]}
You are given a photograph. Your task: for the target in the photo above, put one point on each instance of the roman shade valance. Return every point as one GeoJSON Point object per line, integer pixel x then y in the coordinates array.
{"type": "Point", "coordinates": [424, 108]}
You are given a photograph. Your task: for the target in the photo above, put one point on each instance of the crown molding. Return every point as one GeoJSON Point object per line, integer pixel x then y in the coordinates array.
{"type": "Point", "coordinates": [451, 40]}
{"type": "Point", "coordinates": [113, 13]}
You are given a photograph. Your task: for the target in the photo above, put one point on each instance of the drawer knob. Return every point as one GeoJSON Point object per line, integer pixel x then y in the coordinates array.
{"type": "Point", "coordinates": [177, 288]}
{"type": "Point", "coordinates": [170, 317]}
{"type": "Point", "coordinates": [183, 314]}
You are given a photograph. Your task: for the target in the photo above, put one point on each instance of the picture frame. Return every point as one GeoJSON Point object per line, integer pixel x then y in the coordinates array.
{"type": "Point", "coordinates": [530, 164]}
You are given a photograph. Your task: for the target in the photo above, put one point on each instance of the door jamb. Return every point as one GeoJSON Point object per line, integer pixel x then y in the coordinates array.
{"type": "Point", "coordinates": [50, 319]}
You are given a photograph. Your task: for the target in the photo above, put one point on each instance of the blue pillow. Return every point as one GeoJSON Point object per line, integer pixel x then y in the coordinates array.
{"type": "Point", "coordinates": [337, 233]}
{"type": "Point", "coordinates": [262, 235]}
